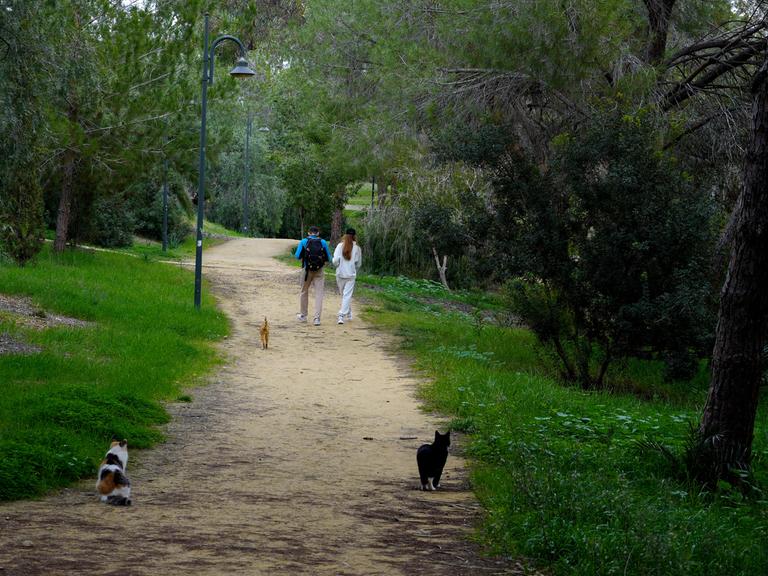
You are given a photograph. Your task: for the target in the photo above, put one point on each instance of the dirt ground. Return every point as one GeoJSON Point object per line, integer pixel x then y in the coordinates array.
{"type": "Point", "coordinates": [295, 460]}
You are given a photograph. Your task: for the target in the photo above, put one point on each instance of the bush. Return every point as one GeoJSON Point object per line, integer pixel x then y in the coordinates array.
{"type": "Point", "coordinates": [112, 223]}
{"type": "Point", "coordinates": [147, 211]}
{"type": "Point", "coordinates": [444, 209]}
{"type": "Point", "coordinates": [305, 181]}
{"type": "Point", "coordinates": [390, 246]}
{"type": "Point", "coordinates": [21, 226]}
{"type": "Point", "coordinates": [612, 248]}
{"type": "Point", "coordinates": [478, 144]}
{"type": "Point", "coordinates": [267, 200]}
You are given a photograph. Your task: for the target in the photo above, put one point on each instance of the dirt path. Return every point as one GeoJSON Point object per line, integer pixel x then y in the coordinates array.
{"type": "Point", "coordinates": [295, 460]}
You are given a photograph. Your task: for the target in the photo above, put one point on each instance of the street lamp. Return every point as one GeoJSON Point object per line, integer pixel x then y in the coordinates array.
{"type": "Point", "coordinates": [247, 157]}
{"type": "Point", "coordinates": [165, 193]}
{"type": "Point", "coordinates": [241, 70]}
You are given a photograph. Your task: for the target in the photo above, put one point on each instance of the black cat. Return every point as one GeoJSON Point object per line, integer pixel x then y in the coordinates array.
{"type": "Point", "coordinates": [431, 459]}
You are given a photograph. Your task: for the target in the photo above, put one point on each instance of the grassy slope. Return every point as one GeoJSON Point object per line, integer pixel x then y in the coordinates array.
{"type": "Point", "coordinates": [152, 249]}
{"type": "Point", "coordinates": [560, 471]}
{"type": "Point", "coordinates": [59, 408]}
{"type": "Point", "coordinates": [361, 196]}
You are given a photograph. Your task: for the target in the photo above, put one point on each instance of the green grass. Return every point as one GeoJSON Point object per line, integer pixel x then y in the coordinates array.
{"type": "Point", "coordinates": [60, 408]}
{"type": "Point", "coordinates": [561, 472]}
{"type": "Point", "coordinates": [153, 250]}
{"type": "Point", "coordinates": [214, 228]}
{"type": "Point", "coordinates": [361, 196]}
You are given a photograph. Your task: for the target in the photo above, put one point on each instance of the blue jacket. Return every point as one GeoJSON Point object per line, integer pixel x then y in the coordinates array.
{"type": "Point", "coordinates": [303, 244]}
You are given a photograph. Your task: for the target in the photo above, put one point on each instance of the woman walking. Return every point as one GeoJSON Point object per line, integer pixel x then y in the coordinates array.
{"type": "Point", "coordinates": [347, 259]}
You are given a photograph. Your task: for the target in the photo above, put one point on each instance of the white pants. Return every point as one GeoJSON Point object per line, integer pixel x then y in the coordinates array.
{"type": "Point", "coordinates": [346, 287]}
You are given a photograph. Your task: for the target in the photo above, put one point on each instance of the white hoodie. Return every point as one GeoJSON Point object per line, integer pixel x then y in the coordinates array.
{"type": "Point", "coordinates": [347, 268]}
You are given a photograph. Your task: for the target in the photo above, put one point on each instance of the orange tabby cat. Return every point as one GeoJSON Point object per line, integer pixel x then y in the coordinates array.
{"type": "Point", "coordinates": [264, 334]}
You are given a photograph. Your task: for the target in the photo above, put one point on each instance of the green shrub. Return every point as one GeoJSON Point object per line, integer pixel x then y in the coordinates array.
{"type": "Point", "coordinates": [444, 209]}
{"type": "Point", "coordinates": [147, 211]}
{"type": "Point", "coordinates": [267, 199]}
{"type": "Point", "coordinates": [390, 245]}
{"type": "Point", "coordinates": [612, 243]}
{"type": "Point", "coordinates": [21, 213]}
{"type": "Point", "coordinates": [112, 223]}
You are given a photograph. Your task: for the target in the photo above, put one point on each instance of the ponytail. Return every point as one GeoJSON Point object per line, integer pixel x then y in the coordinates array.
{"type": "Point", "coordinates": [349, 242]}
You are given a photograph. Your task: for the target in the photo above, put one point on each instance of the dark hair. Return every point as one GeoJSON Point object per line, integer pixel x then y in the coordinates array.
{"type": "Point", "coordinates": [314, 230]}
{"type": "Point", "coordinates": [351, 232]}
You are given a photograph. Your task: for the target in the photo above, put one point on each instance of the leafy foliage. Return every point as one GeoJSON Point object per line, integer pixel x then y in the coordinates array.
{"type": "Point", "coordinates": [111, 223]}
{"type": "Point", "coordinates": [21, 214]}
{"type": "Point", "coordinates": [267, 200]}
{"type": "Point", "coordinates": [444, 208]}
{"type": "Point", "coordinates": [613, 245]}
{"type": "Point", "coordinates": [146, 207]}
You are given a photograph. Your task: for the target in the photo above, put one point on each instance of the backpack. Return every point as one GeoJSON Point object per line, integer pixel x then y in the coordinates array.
{"type": "Point", "coordinates": [314, 255]}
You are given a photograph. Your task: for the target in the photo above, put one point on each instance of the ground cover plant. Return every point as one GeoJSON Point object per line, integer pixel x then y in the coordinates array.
{"type": "Point", "coordinates": [143, 345]}
{"type": "Point", "coordinates": [584, 482]}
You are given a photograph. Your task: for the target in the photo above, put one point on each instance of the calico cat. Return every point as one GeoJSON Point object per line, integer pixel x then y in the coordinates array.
{"type": "Point", "coordinates": [113, 485]}
{"type": "Point", "coordinates": [431, 459]}
{"type": "Point", "coordinates": [264, 334]}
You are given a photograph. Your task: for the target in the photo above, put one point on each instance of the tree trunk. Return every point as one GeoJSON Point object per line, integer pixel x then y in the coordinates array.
{"type": "Point", "coordinates": [336, 226]}
{"type": "Point", "coordinates": [381, 191]}
{"type": "Point", "coordinates": [393, 188]}
{"type": "Point", "coordinates": [441, 269]}
{"type": "Point", "coordinates": [65, 202]}
{"type": "Point", "coordinates": [728, 420]}
{"type": "Point", "coordinates": [67, 184]}
{"type": "Point", "coordinates": [659, 13]}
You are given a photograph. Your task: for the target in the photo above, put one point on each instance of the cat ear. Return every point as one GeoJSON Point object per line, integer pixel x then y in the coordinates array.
{"type": "Point", "coordinates": [437, 434]}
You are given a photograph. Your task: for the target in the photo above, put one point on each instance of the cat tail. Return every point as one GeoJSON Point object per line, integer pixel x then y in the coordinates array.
{"type": "Point", "coordinates": [119, 501]}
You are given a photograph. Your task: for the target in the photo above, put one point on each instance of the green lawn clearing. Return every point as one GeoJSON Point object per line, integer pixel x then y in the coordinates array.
{"type": "Point", "coordinates": [144, 344]}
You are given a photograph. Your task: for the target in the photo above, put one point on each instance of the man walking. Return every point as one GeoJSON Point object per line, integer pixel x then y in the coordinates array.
{"type": "Point", "coordinates": [314, 253]}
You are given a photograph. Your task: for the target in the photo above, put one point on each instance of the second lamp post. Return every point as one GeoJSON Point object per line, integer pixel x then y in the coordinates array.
{"type": "Point", "coordinates": [241, 70]}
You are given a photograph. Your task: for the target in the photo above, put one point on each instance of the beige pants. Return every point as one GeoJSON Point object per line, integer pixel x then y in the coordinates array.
{"type": "Point", "coordinates": [316, 278]}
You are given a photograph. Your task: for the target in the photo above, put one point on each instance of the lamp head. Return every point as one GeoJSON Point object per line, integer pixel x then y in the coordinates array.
{"type": "Point", "coordinates": [241, 69]}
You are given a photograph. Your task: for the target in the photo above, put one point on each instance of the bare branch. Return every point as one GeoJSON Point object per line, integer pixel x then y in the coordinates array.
{"type": "Point", "coordinates": [7, 47]}
{"type": "Point", "coordinates": [688, 88]}
{"type": "Point", "coordinates": [139, 121]}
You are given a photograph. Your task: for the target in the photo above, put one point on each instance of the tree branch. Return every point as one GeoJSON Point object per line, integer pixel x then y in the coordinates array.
{"type": "Point", "coordinates": [7, 47]}
{"type": "Point", "coordinates": [689, 88]}
{"type": "Point", "coordinates": [139, 121]}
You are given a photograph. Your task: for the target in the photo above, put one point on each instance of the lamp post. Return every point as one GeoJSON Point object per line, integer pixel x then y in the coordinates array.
{"type": "Point", "coordinates": [165, 195]}
{"type": "Point", "coordinates": [240, 70]}
{"type": "Point", "coordinates": [247, 158]}
{"type": "Point", "coordinates": [373, 189]}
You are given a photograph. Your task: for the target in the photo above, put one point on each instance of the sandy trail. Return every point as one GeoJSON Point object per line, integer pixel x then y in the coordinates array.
{"type": "Point", "coordinates": [295, 460]}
